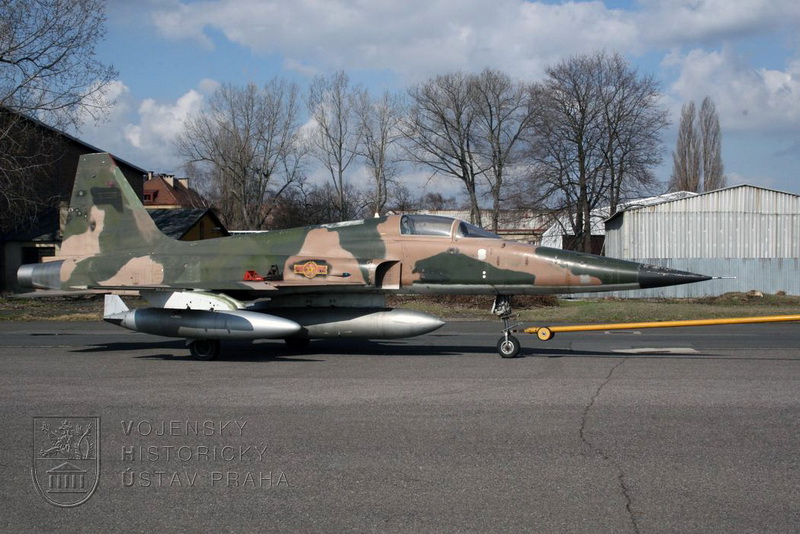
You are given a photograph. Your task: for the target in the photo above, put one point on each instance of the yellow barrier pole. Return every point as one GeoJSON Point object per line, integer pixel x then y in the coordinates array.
{"type": "Point", "coordinates": [546, 333]}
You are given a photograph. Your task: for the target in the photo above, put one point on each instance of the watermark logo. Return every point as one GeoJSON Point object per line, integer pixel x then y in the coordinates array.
{"type": "Point", "coordinates": [66, 458]}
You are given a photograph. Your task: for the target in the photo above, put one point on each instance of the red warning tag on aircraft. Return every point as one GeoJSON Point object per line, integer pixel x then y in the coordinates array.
{"type": "Point", "coordinates": [311, 268]}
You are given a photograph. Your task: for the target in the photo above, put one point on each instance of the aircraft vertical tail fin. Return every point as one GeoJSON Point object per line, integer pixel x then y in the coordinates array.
{"type": "Point", "coordinates": [105, 214]}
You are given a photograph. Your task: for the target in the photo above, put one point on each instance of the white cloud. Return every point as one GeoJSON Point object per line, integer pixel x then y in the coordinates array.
{"type": "Point", "coordinates": [106, 104]}
{"type": "Point", "coordinates": [417, 38]}
{"type": "Point", "coordinates": [671, 22]}
{"type": "Point", "coordinates": [715, 44]}
{"type": "Point", "coordinates": [182, 21]}
{"type": "Point", "coordinates": [299, 67]}
{"type": "Point", "coordinates": [143, 134]}
{"type": "Point", "coordinates": [414, 38]}
{"type": "Point", "coordinates": [747, 98]}
{"type": "Point", "coordinates": [160, 123]}
{"type": "Point", "coordinates": [207, 86]}
{"type": "Point", "coordinates": [106, 133]}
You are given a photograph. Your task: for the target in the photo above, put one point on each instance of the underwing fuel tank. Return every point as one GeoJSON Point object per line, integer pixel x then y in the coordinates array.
{"type": "Point", "coordinates": [277, 323]}
{"type": "Point", "coordinates": [369, 323]}
{"type": "Point", "coordinates": [200, 324]}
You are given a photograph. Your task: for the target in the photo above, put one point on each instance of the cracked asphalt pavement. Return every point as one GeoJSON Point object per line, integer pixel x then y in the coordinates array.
{"type": "Point", "coordinates": [686, 430]}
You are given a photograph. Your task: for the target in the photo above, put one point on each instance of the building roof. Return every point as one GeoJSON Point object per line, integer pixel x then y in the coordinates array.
{"type": "Point", "coordinates": [652, 201]}
{"type": "Point", "coordinates": [665, 200]}
{"type": "Point", "coordinates": [167, 191]}
{"type": "Point", "coordinates": [175, 223]}
{"type": "Point", "coordinates": [89, 148]}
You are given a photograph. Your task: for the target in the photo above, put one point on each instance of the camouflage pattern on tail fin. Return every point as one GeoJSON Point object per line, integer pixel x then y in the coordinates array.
{"type": "Point", "coordinates": [105, 214]}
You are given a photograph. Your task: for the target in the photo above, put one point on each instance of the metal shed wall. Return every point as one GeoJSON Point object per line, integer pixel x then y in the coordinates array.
{"type": "Point", "coordinates": [743, 231]}
{"type": "Point", "coordinates": [762, 274]}
{"type": "Point", "coordinates": [738, 222]}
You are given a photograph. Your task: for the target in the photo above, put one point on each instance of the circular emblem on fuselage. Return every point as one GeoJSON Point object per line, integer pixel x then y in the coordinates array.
{"type": "Point", "coordinates": [310, 269]}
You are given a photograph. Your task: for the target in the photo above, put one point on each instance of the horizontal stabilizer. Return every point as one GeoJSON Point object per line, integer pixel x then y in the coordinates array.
{"type": "Point", "coordinates": [49, 293]}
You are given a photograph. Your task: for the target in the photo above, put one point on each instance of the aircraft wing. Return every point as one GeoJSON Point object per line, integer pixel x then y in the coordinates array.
{"type": "Point", "coordinates": [271, 288]}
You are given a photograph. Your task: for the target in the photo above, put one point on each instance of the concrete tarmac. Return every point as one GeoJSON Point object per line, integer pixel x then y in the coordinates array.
{"type": "Point", "coordinates": [684, 430]}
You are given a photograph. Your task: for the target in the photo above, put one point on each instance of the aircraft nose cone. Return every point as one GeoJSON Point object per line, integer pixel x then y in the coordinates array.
{"type": "Point", "coordinates": [655, 276]}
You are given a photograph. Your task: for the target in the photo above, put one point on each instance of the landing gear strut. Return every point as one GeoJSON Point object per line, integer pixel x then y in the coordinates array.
{"type": "Point", "coordinates": [507, 346]}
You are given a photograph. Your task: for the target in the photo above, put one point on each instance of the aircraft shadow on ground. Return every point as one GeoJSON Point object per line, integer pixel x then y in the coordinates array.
{"type": "Point", "coordinates": [176, 344]}
{"type": "Point", "coordinates": [176, 350]}
{"type": "Point", "coordinates": [319, 350]}
{"type": "Point", "coordinates": [271, 351]}
{"type": "Point", "coordinates": [179, 352]}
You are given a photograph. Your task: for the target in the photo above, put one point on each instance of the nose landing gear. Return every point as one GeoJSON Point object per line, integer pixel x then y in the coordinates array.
{"type": "Point", "coordinates": [507, 346]}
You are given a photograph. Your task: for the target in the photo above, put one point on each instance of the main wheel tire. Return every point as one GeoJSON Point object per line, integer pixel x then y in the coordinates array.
{"type": "Point", "coordinates": [204, 349]}
{"type": "Point", "coordinates": [508, 347]}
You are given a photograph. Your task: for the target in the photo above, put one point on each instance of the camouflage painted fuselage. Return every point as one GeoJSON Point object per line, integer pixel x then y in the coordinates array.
{"type": "Point", "coordinates": [110, 242]}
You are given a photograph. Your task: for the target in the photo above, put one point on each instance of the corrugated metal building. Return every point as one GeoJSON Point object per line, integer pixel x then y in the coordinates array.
{"type": "Point", "coordinates": [559, 230]}
{"type": "Point", "coordinates": [744, 231]}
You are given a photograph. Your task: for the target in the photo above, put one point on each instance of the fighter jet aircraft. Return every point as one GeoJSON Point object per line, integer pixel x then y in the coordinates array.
{"type": "Point", "coordinates": [304, 283]}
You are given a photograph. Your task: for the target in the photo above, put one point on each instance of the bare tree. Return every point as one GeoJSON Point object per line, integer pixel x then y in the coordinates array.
{"type": "Point", "coordinates": [305, 204]}
{"type": "Point", "coordinates": [633, 122]}
{"type": "Point", "coordinates": [48, 68]}
{"type": "Point", "coordinates": [336, 137]}
{"type": "Point", "coordinates": [247, 143]}
{"type": "Point", "coordinates": [401, 199]}
{"type": "Point", "coordinates": [379, 123]}
{"type": "Point", "coordinates": [686, 158]}
{"type": "Point", "coordinates": [596, 131]}
{"type": "Point", "coordinates": [568, 141]}
{"type": "Point", "coordinates": [441, 132]}
{"type": "Point", "coordinates": [697, 159]}
{"type": "Point", "coordinates": [713, 170]}
{"type": "Point", "coordinates": [436, 202]}
{"type": "Point", "coordinates": [48, 72]}
{"type": "Point", "coordinates": [503, 118]}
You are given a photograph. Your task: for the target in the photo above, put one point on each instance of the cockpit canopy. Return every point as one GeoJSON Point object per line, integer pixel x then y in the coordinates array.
{"type": "Point", "coordinates": [436, 225]}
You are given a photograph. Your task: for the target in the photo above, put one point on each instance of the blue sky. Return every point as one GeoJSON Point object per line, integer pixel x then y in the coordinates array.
{"type": "Point", "coordinates": [171, 54]}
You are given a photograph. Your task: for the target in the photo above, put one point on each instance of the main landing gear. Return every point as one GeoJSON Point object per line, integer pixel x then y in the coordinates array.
{"type": "Point", "coordinates": [507, 346]}
{"type": "Point", "coordinates": [204, 349]}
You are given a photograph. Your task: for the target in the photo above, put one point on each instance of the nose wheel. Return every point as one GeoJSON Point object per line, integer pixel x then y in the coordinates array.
{"type": "Point", "coordinates": [507, 346]}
